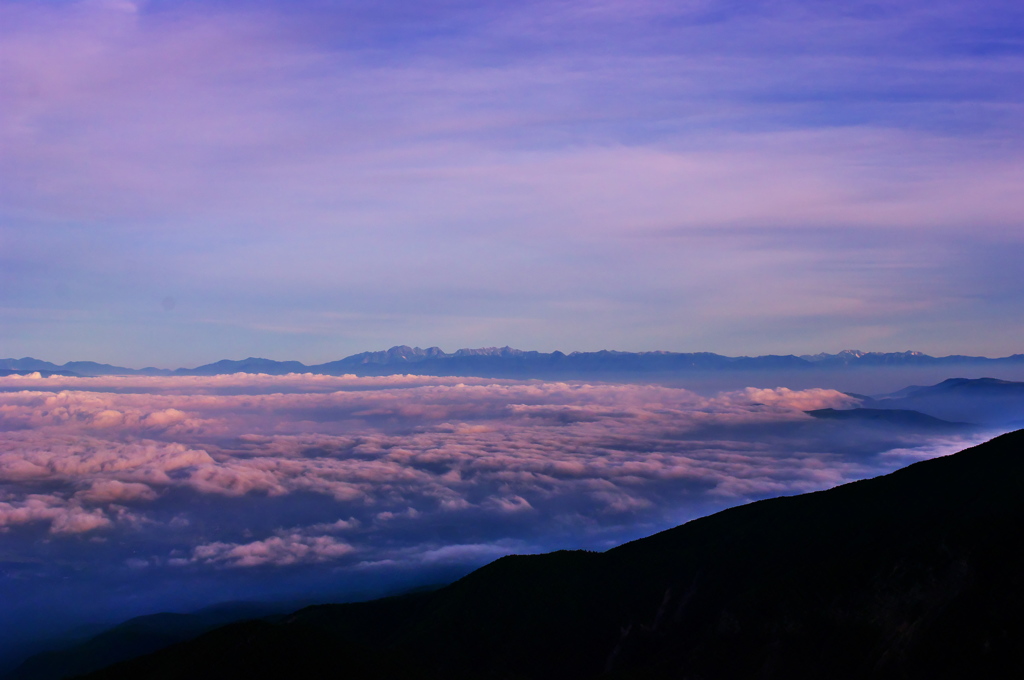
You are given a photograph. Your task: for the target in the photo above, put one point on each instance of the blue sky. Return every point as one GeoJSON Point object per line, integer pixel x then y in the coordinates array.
{"type": "Point", "coordinates": [182, 182]}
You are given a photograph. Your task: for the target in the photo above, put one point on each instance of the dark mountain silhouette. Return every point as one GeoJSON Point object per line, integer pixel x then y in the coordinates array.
{"type": "Point", "coordinates": [913, 575]}
{"type": "Point", "coordinates": [135, 637]}
{"type": "Point", "coordinates": [509, 362]}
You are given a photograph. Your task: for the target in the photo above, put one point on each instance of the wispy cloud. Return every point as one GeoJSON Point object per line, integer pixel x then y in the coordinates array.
{"type": "Point", "coordinates": [277, 551]}
{"type": "Point", "coordinates": [421, 153]}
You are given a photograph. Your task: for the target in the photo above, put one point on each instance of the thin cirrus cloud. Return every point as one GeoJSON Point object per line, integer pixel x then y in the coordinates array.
{"type": "Point", "coordinates": [311, 176]}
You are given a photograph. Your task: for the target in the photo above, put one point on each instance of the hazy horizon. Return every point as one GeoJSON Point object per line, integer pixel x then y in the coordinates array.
{"type": "Point", "coordinates": [321, 360]}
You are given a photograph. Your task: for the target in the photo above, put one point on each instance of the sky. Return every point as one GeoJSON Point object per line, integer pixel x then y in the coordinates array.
{"type": "Point", "coordinates": [182, 182]}
{"type": "Point", "coordinates": [124, 496]}
{"type": "Point", "coordinates": [188, 181]}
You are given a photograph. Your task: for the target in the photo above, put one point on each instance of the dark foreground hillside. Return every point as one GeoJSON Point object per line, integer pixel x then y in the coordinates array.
{"type": "Point", "coordinates": [917, 574]}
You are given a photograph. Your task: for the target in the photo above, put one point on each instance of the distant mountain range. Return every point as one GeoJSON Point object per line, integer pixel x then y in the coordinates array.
{"type": "Point", "coordinates": [985, 401]}
{"type": "Point", "coordinates": [913, 576]}
{"type": "Point", "coordinates": [509, 362]}
{"type": "Point", "coordinates": [135, 637]}
{"type": "Point", "coordinates": [902, 418]}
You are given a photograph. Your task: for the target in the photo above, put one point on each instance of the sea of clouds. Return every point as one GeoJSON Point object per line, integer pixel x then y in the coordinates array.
{"type": "Point", "coordinates": [133, 483]}
{"type": "Point", "coordinates": [103, 456]}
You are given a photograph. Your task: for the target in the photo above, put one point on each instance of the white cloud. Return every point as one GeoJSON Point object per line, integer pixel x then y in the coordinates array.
{"type": "Point", "coordinates": [64, 517]}
{"type": "Point", "coordinates": [276, 551]}
{"type": "Point", "coordinates": [103, 491]}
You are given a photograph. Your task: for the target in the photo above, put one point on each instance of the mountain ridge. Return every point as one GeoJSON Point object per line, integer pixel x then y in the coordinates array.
{"type": "Point", "coordinates": [510, 362]}
{"type": "Point", "coordinates": [986, 401]}
{"type": "Point", "coordinates": [910, 575]}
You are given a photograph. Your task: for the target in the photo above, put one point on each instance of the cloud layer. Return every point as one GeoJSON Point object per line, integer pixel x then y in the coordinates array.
{"type": "Point", "coordinates": [526, 460]}
{"type": "Point", "coordinates": [123, 496]}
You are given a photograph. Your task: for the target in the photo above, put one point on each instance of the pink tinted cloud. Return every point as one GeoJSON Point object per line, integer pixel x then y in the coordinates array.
{"type": "Point", "coordinates": [106, 491]}
{"type": "Point", "coordinates": [274, 551]}
{"type": "Point", "coordinates": [396, 452]}
{"type": "Point", "coordinates": [63, 517]}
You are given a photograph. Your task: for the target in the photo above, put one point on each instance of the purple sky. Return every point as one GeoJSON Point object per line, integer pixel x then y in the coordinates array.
{"type": "Point", "coordinates": [186, 181]}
